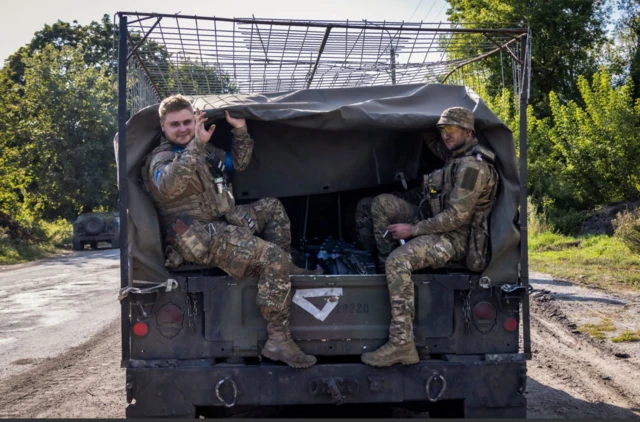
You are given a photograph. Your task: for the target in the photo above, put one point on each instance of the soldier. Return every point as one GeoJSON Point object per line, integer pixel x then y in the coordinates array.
{"type": "Point", "coordinates": [188, 181]}
{"type": "Point", "coordinates": [450, 223]}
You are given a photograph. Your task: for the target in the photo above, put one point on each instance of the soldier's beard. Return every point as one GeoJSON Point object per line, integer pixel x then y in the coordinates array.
{"type": "Point", "coordinates": [456, 144]}
{"type": "Point", "coordinates": [180, 139]}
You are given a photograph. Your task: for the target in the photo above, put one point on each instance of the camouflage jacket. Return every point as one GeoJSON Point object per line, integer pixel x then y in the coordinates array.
{"type": "Point", "coordinates": [466, 185]}
{"type": "Point", "coordinates": [180, 180]}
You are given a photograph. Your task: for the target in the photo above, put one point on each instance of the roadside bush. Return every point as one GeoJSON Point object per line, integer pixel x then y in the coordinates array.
{"type": "Point", "coordinates": [627, 229]}
{"type": "Point", "coordinates": [11, 229]}
{"type": "Point", "coordinates": [24, 241]}
{"type": "Point", "coordinates": [59, 232]}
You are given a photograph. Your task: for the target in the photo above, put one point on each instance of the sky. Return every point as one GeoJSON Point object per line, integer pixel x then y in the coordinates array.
{"type": "Point", "coordinates": [19, 22]}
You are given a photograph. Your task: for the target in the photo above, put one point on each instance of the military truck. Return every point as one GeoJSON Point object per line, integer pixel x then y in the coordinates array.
{"type": "Point", "coordinates": [93, 227]}
{"type": "Point", "coordinates": [191, 337]}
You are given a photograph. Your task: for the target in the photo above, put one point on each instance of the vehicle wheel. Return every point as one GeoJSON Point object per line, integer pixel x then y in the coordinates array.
{"type": "Point", "coordinates": [93, 225]}
{"type": "Point", "coordinates": [115, 243]}
{"type": "Point", "coordinates": [94, 245]}
{"type": "Point", "coordinates": [77, 245]}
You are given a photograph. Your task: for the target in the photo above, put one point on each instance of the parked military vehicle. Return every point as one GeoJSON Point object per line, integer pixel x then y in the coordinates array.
{"type": "Point", "coordinates": [93, 227]}
{"type": "Point", "coordinates": [192, 336]}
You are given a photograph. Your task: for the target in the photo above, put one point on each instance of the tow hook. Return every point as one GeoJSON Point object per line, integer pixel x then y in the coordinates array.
{"type": "Point", "coordinates": [335, 387]}
{"type": "Point", "coordinates": [232, 402]}
{"type": "Point", "coordinates": [485, 282]}
{"type": "Point", "coordinates": [435, 376]}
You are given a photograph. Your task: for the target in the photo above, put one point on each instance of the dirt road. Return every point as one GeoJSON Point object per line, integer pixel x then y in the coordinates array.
{"type": "Point", "coordinates": [571, 375]}
{"type": "Point", "coordinates": [51, 305]}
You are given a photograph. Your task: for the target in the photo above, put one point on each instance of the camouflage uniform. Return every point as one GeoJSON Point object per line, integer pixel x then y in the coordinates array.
{"type": "Point", "coordinates": [204, 226]}
{"type": "Point", "coordinates": [440, 225]}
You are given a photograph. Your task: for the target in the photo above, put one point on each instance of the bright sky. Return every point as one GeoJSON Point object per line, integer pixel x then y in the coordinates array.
{"type": "Point", "coordinates": [19, 21]}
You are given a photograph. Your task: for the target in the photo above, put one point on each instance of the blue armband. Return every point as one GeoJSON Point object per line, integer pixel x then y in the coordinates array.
{"type": "Point", "coordinates": [228, 163]}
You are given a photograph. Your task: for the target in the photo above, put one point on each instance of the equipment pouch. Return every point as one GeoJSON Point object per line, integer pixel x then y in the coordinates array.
{"type": "Point", "coordinates": [434, 182]}
{"type": "Point", "coordinates": [190, 239]}
{"type": "Point", "coordinates": [224, 201]}
{"type": "Point", "coordinates": [478, 243]}
{"type": "Point", "coordinates": [425, 209]}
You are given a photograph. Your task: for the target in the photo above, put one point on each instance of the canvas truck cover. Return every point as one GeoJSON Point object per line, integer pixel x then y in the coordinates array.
{"type": "Point", "coordinates": [329, 140]}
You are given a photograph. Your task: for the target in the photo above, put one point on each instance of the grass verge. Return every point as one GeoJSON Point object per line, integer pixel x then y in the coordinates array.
{"type": "Point", "coordinates": [53, 236]}
{"type": "Point", "coordinates": [627, 336]}
{"type": "Point", "coordinates": [601, 261]}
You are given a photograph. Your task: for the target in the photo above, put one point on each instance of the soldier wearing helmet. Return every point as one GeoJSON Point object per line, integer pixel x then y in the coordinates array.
{"type": "Point", "coordinates": [445, 221]}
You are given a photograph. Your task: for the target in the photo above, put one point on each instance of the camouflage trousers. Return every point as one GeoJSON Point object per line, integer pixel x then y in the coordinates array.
{"type": "Point", "coordinates": [236, 249]}
{"type": "Point", "coordinates": [432, 251]}
{"type": "Point", "coordinates": [373, 215]}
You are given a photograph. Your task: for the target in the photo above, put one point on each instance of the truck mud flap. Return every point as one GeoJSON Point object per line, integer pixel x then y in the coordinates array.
{"type": "Point", "coordinates": [480, 384]}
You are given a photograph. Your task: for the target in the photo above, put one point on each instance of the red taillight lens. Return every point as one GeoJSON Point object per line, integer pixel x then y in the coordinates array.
{"type": "Point", "coordinates": [140, 329]}
{"type": "Point", "coordinates": [169, 319]}
{"type": "Point", "coordinates": [484, 311]}
{"type": "Point", "coordinates": [510, 324]}
{"type": "Point", "coordinates": [169, 314]}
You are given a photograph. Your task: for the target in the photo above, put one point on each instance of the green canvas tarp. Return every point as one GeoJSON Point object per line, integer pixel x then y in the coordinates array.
{"type": "Point", "coordinates": [329, 140]}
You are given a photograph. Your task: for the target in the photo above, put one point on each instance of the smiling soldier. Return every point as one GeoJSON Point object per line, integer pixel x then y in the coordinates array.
{"type": "Point", "coordinates": [187, 178]}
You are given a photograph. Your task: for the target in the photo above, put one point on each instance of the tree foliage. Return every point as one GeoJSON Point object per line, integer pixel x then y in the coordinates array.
{"type": "Point", "coordinates": [588, 156]}
{"type": "Point", "coordinates": [58, 102]}
{"type": "Point", "coordinates": [96, 40]}
{"type": "Point", "coordinates": [565, 34]}
{"type": "Point", "coordinates": [58, 147]}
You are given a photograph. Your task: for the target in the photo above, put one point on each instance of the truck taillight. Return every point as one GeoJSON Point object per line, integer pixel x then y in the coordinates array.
{"type": "Point", "coordinates": [510, 324]}
{"type": "Point", "coordinates": [484, 311]}
{"type": "Point", "coordinates": [140, 329]}
{"type": "Point", "coordinates": [169, 319]}
{"type": "Point", "coordinates": [169, 314]}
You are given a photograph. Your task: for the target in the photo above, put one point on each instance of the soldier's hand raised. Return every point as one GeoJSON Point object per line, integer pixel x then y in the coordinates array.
{"type": "Point", "coordinates": [202, 135]}
{"type": "Point", "coordinates": [236, 123]}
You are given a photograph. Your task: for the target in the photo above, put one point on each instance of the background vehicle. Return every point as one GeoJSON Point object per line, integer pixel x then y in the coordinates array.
{"type": "Point", "coordinates": [191, 342]}
{"type": "Point", "coordinates": [91, 228]}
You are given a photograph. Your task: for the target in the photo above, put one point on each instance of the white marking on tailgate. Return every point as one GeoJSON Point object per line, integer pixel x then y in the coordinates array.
{"type": "Point", "coordinates": [320, 314]}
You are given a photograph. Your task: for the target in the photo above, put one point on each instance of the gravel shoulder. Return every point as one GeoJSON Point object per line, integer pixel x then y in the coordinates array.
{"type": "Point", "coordinates": [573, 375]}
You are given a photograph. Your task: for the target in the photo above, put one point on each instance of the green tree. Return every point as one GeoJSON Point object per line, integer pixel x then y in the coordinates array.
{"type": "Point", "coordinates": [61, 135]}
{"type": "Point", "coordinates": [588, 156]}
{"type": "Point", "coordinates": [565, 34]}
{"type": "Point", "coordinates": [191, 77]}
{"type": "Point", "coordinates": [96, 40]}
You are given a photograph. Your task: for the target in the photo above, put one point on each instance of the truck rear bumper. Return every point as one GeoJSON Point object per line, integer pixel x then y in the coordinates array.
{"type": "Point", "coordinates": [176, 391]}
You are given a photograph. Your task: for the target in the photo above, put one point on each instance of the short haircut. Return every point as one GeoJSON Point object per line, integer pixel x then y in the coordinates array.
{"type": "Point", "coordinates": [173, 103]}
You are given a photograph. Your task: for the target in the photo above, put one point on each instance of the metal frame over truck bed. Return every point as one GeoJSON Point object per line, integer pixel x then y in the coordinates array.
{"type": "Point", "coordinates": [168, 54]}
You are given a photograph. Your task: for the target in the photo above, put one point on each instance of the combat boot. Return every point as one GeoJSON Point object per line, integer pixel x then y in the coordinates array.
{"type": "Point", "coordinates": [390, 353]}
{"type": "Point", "coordinates": [280, 346]}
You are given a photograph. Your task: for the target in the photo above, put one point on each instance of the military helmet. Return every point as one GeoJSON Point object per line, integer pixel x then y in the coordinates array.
{"type": "Point", "coordinates": [457, 116]}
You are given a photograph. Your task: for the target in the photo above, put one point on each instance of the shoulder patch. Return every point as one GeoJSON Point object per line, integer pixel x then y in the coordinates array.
{"type": "Point", "coordinates": [470, 178]}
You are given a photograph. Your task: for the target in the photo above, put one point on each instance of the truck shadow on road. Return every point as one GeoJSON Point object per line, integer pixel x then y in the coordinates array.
{"type": "Point", "coordinates": [576, 298]}
{"type": "Point", "coordinates": [544, 401]}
